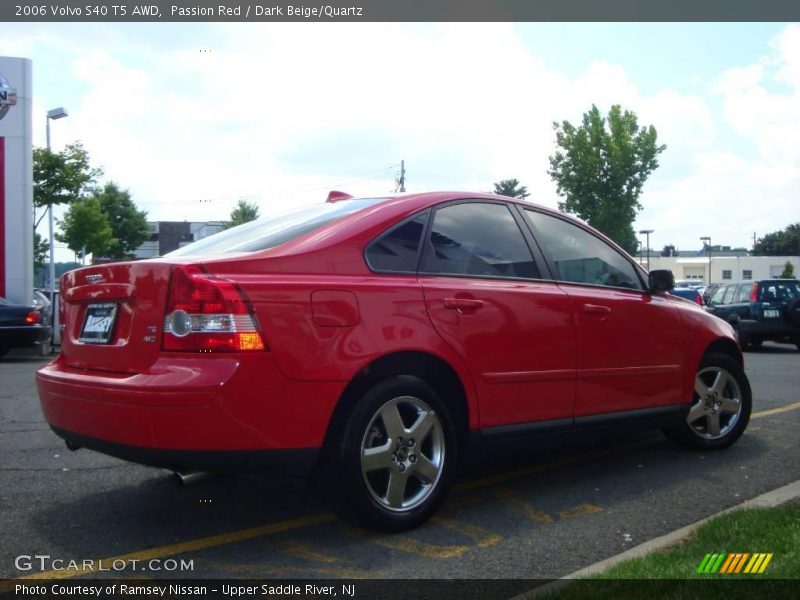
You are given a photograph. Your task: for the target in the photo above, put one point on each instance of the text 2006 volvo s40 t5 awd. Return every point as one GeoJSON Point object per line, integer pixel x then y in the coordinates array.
{"type": "Point", "coordinates": [372, 340]}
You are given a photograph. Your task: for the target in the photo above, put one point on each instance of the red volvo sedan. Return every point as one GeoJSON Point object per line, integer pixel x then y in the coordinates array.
{"type": "Point", "coordinates": [373, 340]}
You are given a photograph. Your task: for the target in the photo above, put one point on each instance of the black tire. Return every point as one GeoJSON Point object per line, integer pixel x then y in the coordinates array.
{"type": "Point", "coordinates": [358, 489]}
{"type": "Point", "coordinates": [3, 351]}
{"type": "Point", "coordinates": [727, 403]}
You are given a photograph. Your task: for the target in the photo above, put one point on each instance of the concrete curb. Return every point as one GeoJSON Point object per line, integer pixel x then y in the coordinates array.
{"type": "Point", "coordinates": [773, 498]}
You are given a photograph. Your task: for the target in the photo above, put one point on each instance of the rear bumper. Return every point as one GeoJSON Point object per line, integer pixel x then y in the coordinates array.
{"type": "Point", "coordinates": [777, 330]}
{"type": "Point", "coordinates": [210, 412]}
{"type": "Point", "coordinates": [23, 336]}
{"type": "Point", "coordinates": [287, 462]}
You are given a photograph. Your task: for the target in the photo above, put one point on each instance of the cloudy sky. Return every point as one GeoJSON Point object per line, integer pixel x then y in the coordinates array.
{"type": "Point", "coordinates": [279, 114]}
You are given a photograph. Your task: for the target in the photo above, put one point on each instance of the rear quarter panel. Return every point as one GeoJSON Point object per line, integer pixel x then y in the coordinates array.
{"type": "Point", "coordinates": [391, 317]}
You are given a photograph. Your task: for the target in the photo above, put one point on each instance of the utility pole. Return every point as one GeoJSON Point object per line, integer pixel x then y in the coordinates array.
{"type": "Point", "coordinates": [400, 182]}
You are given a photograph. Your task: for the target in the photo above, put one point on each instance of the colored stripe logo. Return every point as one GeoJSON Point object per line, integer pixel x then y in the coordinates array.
{"type": "Point", "coordinates": [731, 563]}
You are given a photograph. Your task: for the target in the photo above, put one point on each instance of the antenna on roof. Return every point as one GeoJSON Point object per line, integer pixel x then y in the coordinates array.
{"type": "Point", "coordinates": [335, 196]}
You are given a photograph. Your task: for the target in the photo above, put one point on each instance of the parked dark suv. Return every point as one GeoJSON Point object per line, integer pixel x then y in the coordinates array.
{"type": "Point", "coordinates": [764, 310]}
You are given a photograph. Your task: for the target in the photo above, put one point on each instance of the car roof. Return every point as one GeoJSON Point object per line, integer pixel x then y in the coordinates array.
{"type": "Point", "coordinates": [400, 206]}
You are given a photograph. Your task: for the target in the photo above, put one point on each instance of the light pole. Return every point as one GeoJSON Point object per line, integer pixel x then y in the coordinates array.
{"type": "Point", "coordinates": [707, 240]}
{"type": "Point", "coordinates": [647, 232]}
{"type": "Point", "coordinates": [56, 113]}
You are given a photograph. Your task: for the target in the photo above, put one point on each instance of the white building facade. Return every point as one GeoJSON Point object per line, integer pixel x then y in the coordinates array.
{"type": "Point", "coordinates": [723, 268]}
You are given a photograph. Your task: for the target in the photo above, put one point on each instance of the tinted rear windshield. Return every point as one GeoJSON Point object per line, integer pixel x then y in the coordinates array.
{"type": "Point", "coordinates": [779, 290]}
{"type": "Point", "coordinates": [274, 230]}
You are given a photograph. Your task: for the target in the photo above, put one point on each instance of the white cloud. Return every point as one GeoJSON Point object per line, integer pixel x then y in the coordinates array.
{"type": "Point", "coordinates": [282, 113]}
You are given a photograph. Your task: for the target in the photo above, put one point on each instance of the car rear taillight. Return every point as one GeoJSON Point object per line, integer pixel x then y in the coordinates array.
{"type": "Point", "coordinates": [754, 293]}
{"type": "Point", "coordinates": [699, 299]}
{"type": "Point", "coordinates": [208, 314]}
{"type": "Point", "coordinates": [33, 317]}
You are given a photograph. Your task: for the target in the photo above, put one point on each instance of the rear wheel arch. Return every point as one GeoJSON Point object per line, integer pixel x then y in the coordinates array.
{"type": "Point", "coordinates": [433, 370]}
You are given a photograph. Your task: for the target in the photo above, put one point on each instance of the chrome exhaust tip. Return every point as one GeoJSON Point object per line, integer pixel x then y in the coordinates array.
{"type": "Point", "coordinates": [187, 478]}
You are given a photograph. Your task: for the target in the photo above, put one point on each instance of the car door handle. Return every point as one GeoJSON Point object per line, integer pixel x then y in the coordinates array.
{"type": "Point", "coordinates": [596, 309]}
{"type": "Point", "coordinates": [463, 303]}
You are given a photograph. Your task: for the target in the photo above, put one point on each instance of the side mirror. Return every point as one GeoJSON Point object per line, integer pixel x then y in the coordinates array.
{"type": "Point", "coordinates": [660, 281]}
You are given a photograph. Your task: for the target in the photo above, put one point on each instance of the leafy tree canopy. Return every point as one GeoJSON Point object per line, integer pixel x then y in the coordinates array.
{"type": "Point", "coordinates": [85, 227]}
{"type": "Point", "coordinates": [785, 242]}
{"type": "Point", "coordinates": [243, 212]}
{"type": "Point", "coordinates": [788, 270]}
{"type": "Point", "coordinates": [511, 188]}
{"type": "Point", "coordinates": [600, 168]}
{"type": "Point", "coordinates": [128, 224]}
{"type": "Point", "coordinates": [61, 177]}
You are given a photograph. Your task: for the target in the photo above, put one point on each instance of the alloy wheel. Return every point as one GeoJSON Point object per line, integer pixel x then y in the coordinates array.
{"type": "Point", "coordinates": [717, 403]}
{"type": "Point", "coordinates": [402, 453]}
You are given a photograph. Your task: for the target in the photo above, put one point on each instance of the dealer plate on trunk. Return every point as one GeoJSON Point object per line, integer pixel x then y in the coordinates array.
{"type": "Point", "coordinates": [98, 326]}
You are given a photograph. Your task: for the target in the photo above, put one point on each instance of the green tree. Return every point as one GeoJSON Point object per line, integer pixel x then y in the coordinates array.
{"type": "Point", "coordinates": [128, 224]}
{"type": "Point", "coordinates": [85, 227]}
{"type": "Point", "coordinates": [41, 251]}
{"type": "Point", "coordinates": [788, 270]}
{"type": "Point", "coordinates": [785, 242]}
{"type": "Point", "coordinates": [511, 188]}
{"type": "Point", "coordinates": [243, 212]}
{"type": "Point", "coordinates": [600, 168]}
{"type": "Point", "coordinates": [61, 177]}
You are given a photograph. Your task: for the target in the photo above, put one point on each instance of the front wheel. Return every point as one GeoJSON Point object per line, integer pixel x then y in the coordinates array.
{"type": "Point", "coordinates": [721, 405]}
{"type": "Point", "coordinates": [392, 463]}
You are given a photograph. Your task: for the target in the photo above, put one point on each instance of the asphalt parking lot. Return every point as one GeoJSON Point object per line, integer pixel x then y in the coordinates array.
{"type": "Point", "coordinates": [531, 515]}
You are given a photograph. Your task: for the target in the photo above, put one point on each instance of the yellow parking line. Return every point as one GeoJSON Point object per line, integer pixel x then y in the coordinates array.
{"type": "Point", "coordinates": [530, 513]}
{"type": "Point", "coordinates": [479, 535]}
{"type": "Point", "coordinates": [306, 552]}
{"type": "Point", "coordinates": [776, 411]}
{"type": "Point", "coordinates": [193, 545]}
{"type": "Point", "coordinates": [580, 510]}
{"type": "Point", "coordinates": [421, 548]}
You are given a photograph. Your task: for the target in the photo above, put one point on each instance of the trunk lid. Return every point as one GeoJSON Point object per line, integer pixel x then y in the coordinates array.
{"type": "Point", "coordinates": [114, 315]}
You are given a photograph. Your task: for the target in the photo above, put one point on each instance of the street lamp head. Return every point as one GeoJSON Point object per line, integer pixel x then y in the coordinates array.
{"type": "Point", "coordinates": [646, 231]}
{"type": "Point", "coordinates": [57, 113]}
{"type": "Point", "coordinates": [705, 238]}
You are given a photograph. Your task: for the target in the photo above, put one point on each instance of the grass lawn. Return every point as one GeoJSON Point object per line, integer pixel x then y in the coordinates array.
{"type": "Point", "coordinates": [672, 572]}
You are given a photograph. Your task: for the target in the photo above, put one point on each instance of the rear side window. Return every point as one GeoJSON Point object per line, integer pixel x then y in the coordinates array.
{"type": "Point", "coordinates": [719, 295]}
{"type": "Point", "coordinates": [477, 238]}
{"type": "Point", "coordinates": [730, 291]}
{"type": "Point", "coordinates": [397, 250]}
{"type": "Point", "coordinates": [581, 257]}
{"type": "Point", "coordinates": [274, 230]}
{"type": "Point", "coordinates": [744, 292]}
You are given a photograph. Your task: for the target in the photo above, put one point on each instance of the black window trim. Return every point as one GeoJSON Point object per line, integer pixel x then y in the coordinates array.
{"type": "Point", "coordinates": [386, 232]}
{"type": "Point", "coordinates": [554, 268]}
{"type": "Point", "coordinates": [538, 260]}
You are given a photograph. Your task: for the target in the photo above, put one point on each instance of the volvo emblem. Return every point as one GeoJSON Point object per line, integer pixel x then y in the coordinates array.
{"type": "Point", "coordinates": [94, 278]}
{"type": "Point", "coordinates": [8, 96]}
